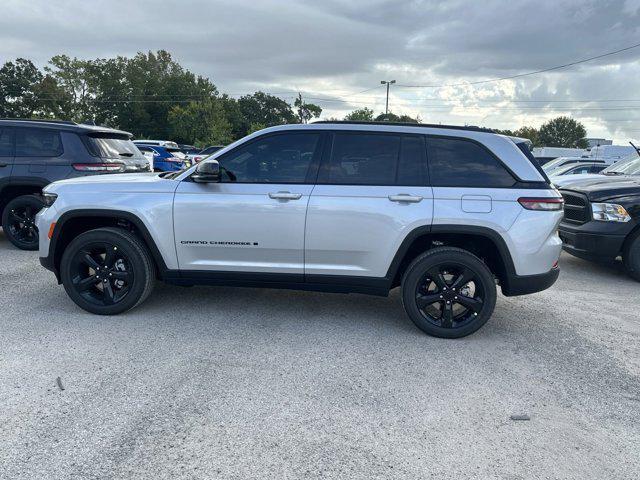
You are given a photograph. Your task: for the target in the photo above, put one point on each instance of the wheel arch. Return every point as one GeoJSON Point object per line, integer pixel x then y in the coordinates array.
{"type": "Point", "coordinates": [71, 224]}
{"type": "Point", "coordinates": [482, 241]}
{"type": "Point", "coordinates": [16, 188]}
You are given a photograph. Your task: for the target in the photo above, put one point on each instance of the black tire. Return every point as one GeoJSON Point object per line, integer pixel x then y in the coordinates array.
{"type": "Point", "coordinates": [107, 271]}
{"type": "Point", "coordinates": [18, 221]}
{"type": "Point", "coordinates": [631, 256]}
{"type": "Point", "coordinates": [448, 292]}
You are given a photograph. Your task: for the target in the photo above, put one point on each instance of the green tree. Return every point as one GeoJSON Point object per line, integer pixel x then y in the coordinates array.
{"type": "Point", "coordinates": [530, 133]}
{"type": "Point", "coordinates": [261, 108]}
{"type": "Point", "coordinates": [201, 123]}
{"type": "Point", "coordinates": [72, 77]}
{"type": "Point", "coordinates": [152, 84]}
{"type": "Point", "coordinates": [360, 115]}
{"type": "Point", "coordinates": [563, 132]}
{"type": "Point", "coordinates": [392, 117]}
{"type": "Point", "coordinates": [19, 89]}
{"type": "Point", "coordinates": [306, 111]}
{"type": "Point", "coordinates": [254, 127]}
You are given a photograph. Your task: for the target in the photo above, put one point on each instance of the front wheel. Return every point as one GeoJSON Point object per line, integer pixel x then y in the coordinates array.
{"type": "Point", "coordinates": [448, 292]}
{"type": "Point", "coordinates": [107, 271]}
{"type": "Point", "coordinates": [19, 221]}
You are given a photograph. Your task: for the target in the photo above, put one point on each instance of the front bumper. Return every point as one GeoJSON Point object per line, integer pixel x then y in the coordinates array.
{"type": "Point", "coordinates": [47, 262]}
{"type": "Point", "coordinates": [593, 240]}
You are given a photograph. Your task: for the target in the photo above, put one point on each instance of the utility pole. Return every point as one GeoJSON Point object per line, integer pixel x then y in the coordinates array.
{"type": "Point", "coordinates": [387, 83]}
{"type": "Point", "coordinates": [300, 108]}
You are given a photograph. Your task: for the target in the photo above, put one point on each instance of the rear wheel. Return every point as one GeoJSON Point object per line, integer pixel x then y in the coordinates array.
{"type": "Point", "coordinates": [18, 221]}
{"type": "Point", "coordinates": [448, 292]}
{"type": "Point", "coordinates": [631, 256]}
{"type": "Point", "coordinates": [107, 271]}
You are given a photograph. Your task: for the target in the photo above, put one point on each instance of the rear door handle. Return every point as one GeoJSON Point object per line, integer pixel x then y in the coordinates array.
{"type": "Point", "coordinates": [403, 197]}
{"type": "Point", "coordinates": [3, 165]}
{"type": "Point", "coordinates": [285, 196]}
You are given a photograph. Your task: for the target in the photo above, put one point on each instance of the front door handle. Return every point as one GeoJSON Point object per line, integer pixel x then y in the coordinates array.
{"type": "Point", "coordinates": [403, 197]}
{"type": "Point", "coordinates": [285, 196]}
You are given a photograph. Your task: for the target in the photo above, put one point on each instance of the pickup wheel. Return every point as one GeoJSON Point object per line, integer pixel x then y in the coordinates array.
{"type": "Point", "coordinates": [107, 271]}
{"type": "Point", "coordinates": [448, 292]}
{"type": "Point", "coordinates": [631, 256]}
{"type": "Point", "coordinates": [18, 221]}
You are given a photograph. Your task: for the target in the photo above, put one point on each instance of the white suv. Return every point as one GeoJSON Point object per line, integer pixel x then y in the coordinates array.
{"type": "Point", "coordinates": [442, 212]}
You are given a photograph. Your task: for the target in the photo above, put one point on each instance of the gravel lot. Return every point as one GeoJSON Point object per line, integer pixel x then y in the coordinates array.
{"type": "Point", "coordinates": [209, 382]}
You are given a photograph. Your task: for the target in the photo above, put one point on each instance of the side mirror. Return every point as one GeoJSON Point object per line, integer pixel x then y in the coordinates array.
{"type": "Point", "coordinates": [207, 172]}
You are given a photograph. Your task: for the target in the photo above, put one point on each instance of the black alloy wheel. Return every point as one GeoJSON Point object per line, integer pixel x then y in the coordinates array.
{"type": "Point", "coordinates": [449, 295]}
{"type": "Point", "coordinates": [19, 221]}
{"type": "Point", "coordinates": [448, 292]}
{"type": "Point", "coordinates": [101, 273]}
{"type": "Point", "coordinates": [107, 271]}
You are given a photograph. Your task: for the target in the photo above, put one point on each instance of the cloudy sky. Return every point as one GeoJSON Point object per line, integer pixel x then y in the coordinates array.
{"type": "Point", "coordinates": [336, 52]}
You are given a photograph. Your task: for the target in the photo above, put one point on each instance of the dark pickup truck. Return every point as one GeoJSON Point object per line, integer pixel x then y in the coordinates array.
{"type": "Point", "coordinates": [602, 220]}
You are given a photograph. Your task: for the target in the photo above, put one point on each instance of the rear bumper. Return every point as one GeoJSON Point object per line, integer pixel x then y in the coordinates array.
{"type": "Point", "coordinates": [591, 245]}
{"type": "Point", "coordinates": [524, 284]}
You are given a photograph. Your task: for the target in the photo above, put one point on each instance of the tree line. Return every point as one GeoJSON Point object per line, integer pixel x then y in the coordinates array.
{"type": "Point", "coordinates": [153, 96]}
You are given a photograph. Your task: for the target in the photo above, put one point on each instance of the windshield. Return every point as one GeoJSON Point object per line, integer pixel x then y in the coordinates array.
{"type": "Point", "coordinates": [112, 147]}
{"type": "Point", "coordinates": [566, 168]}
{"type": "Point", "coordinates": [554, 164]}
{"type": "Point", "coordinates": [626, 166]}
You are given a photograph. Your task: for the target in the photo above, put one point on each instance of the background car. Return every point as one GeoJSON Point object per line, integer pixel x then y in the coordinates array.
{"type": "Point", "coordinates": [188, 149]}
{"type": "Point", "coordinates": [148, 152]}
{"type": "Point", "coordinates": [578, 168]}
{"type": "Point", "coordinates": [562, 161]}
{"type": "Point", "coordinates": [165, 159]}
{"type": "Point", "coordinates": [204, 153]}
{"type": "Point", "coordinates": [34, 153]}
{"type": "Point", "coordinates": [627, 166]}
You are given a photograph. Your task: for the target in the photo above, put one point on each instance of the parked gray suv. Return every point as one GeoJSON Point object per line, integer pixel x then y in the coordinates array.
{"type": "Point", "coordinates": [34, 153]}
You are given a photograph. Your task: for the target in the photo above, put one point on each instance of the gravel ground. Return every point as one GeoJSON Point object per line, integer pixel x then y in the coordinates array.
{"type": "Point", "coordinates": [209, 382]}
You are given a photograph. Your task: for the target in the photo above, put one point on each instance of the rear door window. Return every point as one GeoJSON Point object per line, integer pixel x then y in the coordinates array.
{"type": "Point", "coordinates": [37, 142]}
{"type": "Point", "coordinates": [458, 162]}
{"type": "Point", "coordinates": [364, 159]}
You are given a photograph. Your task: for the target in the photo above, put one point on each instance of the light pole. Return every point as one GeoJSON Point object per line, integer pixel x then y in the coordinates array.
{"type": "Point", "coordinates": [387, 83]}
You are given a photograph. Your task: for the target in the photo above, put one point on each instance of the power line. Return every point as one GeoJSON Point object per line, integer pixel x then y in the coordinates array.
{"type": "Point", "coordinates": [535, 72]}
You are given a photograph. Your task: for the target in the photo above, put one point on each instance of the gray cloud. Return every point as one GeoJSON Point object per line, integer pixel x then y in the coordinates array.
{"type": "Point", "coordinates": [333, 49]}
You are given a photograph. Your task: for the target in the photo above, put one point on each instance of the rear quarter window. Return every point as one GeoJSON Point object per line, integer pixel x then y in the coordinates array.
{"type": "Point", "coordinates": [458, 162]}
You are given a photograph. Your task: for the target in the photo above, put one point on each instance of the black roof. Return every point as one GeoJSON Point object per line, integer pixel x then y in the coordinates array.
{"type": "Point", "coordinates": [408, 124]}
{"type": "Point", "coordinates": [59, 125]}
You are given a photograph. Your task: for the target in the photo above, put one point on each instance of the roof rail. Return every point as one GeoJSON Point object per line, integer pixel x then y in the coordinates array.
{"type": "Point", "coordinates": [43, 120]}
{"type": "Point", "coordinates": [408, 124]}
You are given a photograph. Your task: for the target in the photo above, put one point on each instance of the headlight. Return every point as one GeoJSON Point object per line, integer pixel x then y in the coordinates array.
{"type": "Point", "coordinates": [49, 198]}
{"type": "Point", "coordinates": [609, 212]}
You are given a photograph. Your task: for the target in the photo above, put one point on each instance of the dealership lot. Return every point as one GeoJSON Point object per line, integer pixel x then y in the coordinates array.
{"type": "Point", "coordinates": [247, 383]}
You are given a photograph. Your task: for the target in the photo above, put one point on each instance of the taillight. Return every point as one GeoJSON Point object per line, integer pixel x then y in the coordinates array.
{"type": "Point", "coordinates": [544, 204]}
{"type": "Point", "coordinates": [99, 167]}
